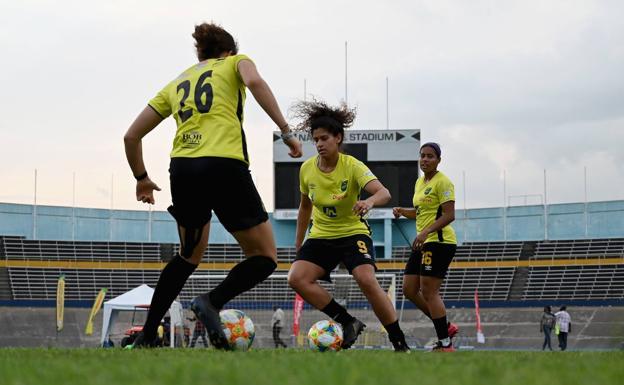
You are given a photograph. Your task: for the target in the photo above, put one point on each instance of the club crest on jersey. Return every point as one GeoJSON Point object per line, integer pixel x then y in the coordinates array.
{"type": "Point", "coordinates": [344, 185]}
{"type": "Point", "coordinates": [427, 190]}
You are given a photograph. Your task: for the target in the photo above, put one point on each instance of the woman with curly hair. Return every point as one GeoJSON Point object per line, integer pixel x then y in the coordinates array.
{"type": "Point", "coordinates": [209, 171]}
{"type": "Point", "coordinates": [330, 185]}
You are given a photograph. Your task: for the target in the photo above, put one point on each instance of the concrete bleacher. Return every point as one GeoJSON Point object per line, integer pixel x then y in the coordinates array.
{"type": "Point", "coordinates": [489, 269]}
{"type": "Point", "coordinates": [585, 282]}
{"type": "Point", "coordinates": [20, 248]}
{"type": "Point", "coordinates": [580, 248]}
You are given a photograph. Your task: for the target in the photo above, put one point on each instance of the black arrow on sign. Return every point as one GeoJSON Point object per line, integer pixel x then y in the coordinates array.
{"type": "Point", "coordinates": [416, 136]}
{"type": "Point", "coordinates": [276, 138]}
{"type": "Point", "coordinates": [399, 136]}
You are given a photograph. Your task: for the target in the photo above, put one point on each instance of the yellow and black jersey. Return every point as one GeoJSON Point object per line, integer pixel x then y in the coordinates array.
{"type": "Point", "coordinates": [428, 199]}
{"type": "Point", "coordinates": [207, 103]}
{"type": "Point", "coordinates": [333, 196]}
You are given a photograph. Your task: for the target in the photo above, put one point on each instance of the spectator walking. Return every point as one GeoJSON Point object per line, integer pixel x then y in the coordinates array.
{"type": "Point", "coordinates": [277, 322]}
{"type": "Point", "coordinates": [564, 325]}
{"type": "Point", "coordinates": [547, 324]}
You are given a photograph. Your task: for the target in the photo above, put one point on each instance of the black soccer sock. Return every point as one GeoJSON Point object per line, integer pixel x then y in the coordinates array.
{"type": "Point", "coordinates": [395, 334]}
{"type": "Point", "coordinates": [170, 283]}
{"type": "Point", "coordinates": [244, 276]}
{"type": "Point", "coordinates": [337, 312]}
{"type": "Point", "coordinates": [441, 327]}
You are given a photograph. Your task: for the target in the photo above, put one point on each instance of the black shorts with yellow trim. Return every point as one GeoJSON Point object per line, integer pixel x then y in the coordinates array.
{"type": "Point", "coordinates": [432, 260]}
{"type": "Point", "coordinates": [352, 251]}
{"type": "Point", "coordinates": [202, 185]}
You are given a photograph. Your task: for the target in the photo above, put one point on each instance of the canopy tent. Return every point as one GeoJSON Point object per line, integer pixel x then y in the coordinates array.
{"type": "Point", "coordinates": [139, 296]}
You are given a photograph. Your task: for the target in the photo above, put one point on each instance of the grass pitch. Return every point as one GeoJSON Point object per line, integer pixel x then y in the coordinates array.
{"type": "Point", "coordinates": [271, 367]}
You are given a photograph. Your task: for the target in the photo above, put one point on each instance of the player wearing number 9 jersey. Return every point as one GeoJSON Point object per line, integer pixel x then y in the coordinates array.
{"type": "Point", "coordinates": [330, 185]}
{"type": "Point", "coordinates": [209, 171]}
{"type": "Point", "coordinates": [434, 246]}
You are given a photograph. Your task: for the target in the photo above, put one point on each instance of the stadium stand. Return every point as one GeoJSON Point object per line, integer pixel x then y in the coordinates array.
{"type": "Point", "coordinates": [493, 268]}
{"type": "Point", "coordinates": [550, 271]}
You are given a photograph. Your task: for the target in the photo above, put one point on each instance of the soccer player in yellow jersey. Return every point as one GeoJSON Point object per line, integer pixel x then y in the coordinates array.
{"type": "Point", "coordinates": [330, 185]}
{"type": "Point", "coordinates": [435, 243]}
{"type": "Point", "coordinates": [209, 170]}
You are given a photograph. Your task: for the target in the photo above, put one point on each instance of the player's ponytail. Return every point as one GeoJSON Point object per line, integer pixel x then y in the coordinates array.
{"type": "Point", "coordinates": [316, 113]}
{"type": "Point", "coordinates": [211, 41]}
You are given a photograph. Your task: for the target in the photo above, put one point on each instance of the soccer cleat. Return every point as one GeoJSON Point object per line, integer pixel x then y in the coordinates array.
{"type": "Point", "coordinates": [209, 316]}
{"type": "Point", "coordinates": [351, 331]}
{"type": "Point", "coordinates": [401, 347]}
{"type": "Point", "coordinates": [452, 330]}
{"type": "Point", "coordinates": [141, 343]}
{"type": "Point", "coordinates": [439, 348]}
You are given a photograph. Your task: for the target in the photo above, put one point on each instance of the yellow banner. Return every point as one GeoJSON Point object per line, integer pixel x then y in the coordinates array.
{"type": "Point", "coordinates": [94, 310]}
{"type": "Point", "coordinates": [60, 303]}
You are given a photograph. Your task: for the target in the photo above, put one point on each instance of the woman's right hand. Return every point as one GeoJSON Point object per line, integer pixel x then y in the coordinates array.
{"type": "Point", "coordinates": [396, 211]}
{"type": "Point", "coordinates": [295, 147]}
{"type": "Point", "coordinates": [145, 190]}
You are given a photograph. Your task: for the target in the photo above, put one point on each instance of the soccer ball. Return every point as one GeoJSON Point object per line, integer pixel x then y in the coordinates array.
{"type": "Point", "coordinates": [325, 335]}
{"type": "Point", "coordinates": [238, 329]}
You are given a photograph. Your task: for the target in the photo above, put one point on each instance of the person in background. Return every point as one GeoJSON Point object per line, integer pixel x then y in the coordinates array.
{"type": "Point", "coordinates": [547, 323]}
{"type": "Point", "coordinates": [277, 323]}
{"type": "Point", "coordinates": [198, 331]}
{"type": "Point", "coordinates": [564, 325]}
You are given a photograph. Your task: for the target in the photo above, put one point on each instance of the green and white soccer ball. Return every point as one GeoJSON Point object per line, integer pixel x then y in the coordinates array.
{"type": "Point", "coordinates": [325, 335]}
{"type": "Point", "coordinates": [238, 328]}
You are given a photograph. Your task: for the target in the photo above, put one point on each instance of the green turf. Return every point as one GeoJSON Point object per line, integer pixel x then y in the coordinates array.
{"type": "Point", "coordinates": [198, 366]}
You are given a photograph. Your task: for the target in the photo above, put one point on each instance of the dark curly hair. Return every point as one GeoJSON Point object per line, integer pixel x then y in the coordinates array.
{"type": "Point", "coordinates": [211, 41]}
{"type": "Point", "coordinates": [316, 114]}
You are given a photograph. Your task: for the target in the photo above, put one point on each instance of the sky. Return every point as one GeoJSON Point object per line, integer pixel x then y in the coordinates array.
{"type": "Point", "coordinates": [516, 92]}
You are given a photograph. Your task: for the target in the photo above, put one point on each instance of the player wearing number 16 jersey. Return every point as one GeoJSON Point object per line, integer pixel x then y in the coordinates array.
{"type": "Point", "coordinates": [330, 185]}
{"type": "Point", "coordinates": [209, 171]}
{"type": "Point", "coordinates": [434, 246]}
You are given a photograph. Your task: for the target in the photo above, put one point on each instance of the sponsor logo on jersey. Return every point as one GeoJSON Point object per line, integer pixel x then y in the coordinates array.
{"type": "Point", "coordinates": [427, 190]}
{"type": "Point", "coordinates": [344, 185]}
{"type": "Point", "coordinates": [338, 197]}
{"type": "Point", "coordinates": [191, 139]}
{"type": "Point", "coordinates": [330, 211]}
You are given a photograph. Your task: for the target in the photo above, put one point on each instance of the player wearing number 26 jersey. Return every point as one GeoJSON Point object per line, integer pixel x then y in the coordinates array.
{"type": "Point", "coordinates": [209, 171]}
{"type": "Point", "coordinates": [207, 103]}
{"type": "Point", "coordinates": [330, 185]}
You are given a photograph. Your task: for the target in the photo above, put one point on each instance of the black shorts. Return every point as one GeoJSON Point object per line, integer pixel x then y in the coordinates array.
{"type": "Point", "coordinates": [353, 251]}
{"type": "Point", "coordinates": [200, 185]}
{"type": "Point", "coordinates": [432, 261]}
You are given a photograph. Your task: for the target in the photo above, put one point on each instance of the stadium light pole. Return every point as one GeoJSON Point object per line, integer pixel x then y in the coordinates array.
{"type": "Point", "coordinates": [387, 105]}
{"type": "Point", "coordinates": [110, 225]}
{"type": "Point", "coordinates": [545, 209]}
{"type": "Point", "coordinates": [585, 200]}
{"type": "Point", "coordinates": [465, 213]}
{"type": "Point", "coordinates": [34, 229]}
{"type": "Point", "coordinates": [149, 223]}
{"type": "Point", "coordinates": [505, 205]}
{"type": "Point", "coordinates": [73, 206]}
{"type": "Point", "coordinates": [346, 88]}
{"type": "Point", "coordinates": [305, 89]}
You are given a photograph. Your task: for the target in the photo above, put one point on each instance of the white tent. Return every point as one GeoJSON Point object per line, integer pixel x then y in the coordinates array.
{"type": "Point", "coordinates": [139, 296]}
